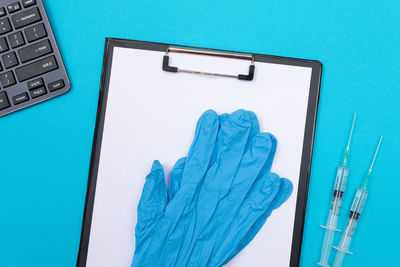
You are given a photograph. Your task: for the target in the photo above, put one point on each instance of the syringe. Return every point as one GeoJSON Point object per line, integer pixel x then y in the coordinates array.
{"type": "Point", "coordinates": [355, 212]}
{"type": "Point", "coordinates": [338, 191]}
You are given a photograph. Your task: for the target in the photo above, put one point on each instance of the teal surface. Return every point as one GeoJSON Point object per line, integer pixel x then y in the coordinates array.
{"type": "Point", "coordinates": [45, 150]}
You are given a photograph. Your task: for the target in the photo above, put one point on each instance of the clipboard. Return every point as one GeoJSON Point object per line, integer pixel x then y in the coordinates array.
{"type": "Point", "coordinates": [150, 98]}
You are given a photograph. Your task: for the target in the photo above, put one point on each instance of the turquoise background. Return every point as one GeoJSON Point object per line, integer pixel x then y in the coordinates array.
{"type": "Point", "coordinates": [45, 150]}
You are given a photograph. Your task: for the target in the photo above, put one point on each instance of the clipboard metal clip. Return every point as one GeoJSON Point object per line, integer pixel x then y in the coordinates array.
{"type": "Point", "coordinates": [245, 77]}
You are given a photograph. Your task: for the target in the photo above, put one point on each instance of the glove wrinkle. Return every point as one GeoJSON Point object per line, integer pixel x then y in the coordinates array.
{"type": "Point", "coordinates": [176, 178]}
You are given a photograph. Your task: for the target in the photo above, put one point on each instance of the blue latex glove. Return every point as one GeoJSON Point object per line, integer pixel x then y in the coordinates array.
{"type": "Point", "coordinates": [220, 196]}
{"type": "Point", "coordinates": [243, 228]}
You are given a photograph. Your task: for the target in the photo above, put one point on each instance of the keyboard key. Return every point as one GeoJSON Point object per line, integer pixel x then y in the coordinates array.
{"type": "Point", "coordinates": [5, 26]}
{"type": "Point", "coordinates": [7, 79]}
{"type": "Point", "coordinates": [35, 33]}
{"type": "Point", "coordinates": [38, 92]}
{"type": "Point", "coordinates": [3, 45]}
{"type": "Point", "coordinates": [16, 39]}
{"type": "Point", "coordinates": [14, 7]}
{"type": "Point", "coordinates": [35, 84]}
{"type": "Point", "coordinates": [2, 11]}
{"type": "Point", "coordinates": [10, 60]}
{"type": "Point", "coordinates": [21, 98]}
{"type": "Point", "coordinates": [34, 51]}
{"type": "Point", "coordinates": [36, 68]}
{"type": "Point", "coordinates": [56, 85]}
{"type": "Point", "coordinates": [26, 17]}
{"type": "Point", "coordinates": [4, 100]}
{"type": "Point", "coordinates": [28, 3]}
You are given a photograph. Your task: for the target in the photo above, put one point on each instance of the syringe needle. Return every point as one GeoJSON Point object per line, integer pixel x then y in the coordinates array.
{"type": "Point", "coordinates": [376, 153]}
{"type": "Point", "coordinates": [351, 132]}
{"type": "Point", "coordinates": [338, 192]}
{"type": "Point", "coordinates": [368, 175]}
{"type": "Point", "coordinates": [346, 153]}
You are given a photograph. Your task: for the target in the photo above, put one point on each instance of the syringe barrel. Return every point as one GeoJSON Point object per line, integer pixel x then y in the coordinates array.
{"type": "Point", "coordinates": [338, 191]}
{"type": "Point", "coordinates": [359, 201]}
{"type": "Point", "coordinates": [355, 212]}
{"type": "Point", "coordinates": [339, 259]}
{"type": "Point", "coordinates": [326, 247]}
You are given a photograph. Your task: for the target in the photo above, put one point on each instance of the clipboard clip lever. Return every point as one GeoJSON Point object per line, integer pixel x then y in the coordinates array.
{"type": "Point", "coordinates": [245, 77]}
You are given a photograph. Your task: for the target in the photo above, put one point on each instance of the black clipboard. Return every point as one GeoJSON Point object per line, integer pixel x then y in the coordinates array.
{"type": "Point", "coordinates": [307, 149]}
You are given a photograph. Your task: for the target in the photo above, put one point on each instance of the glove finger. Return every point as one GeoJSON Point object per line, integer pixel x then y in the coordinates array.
{"type": "Point", "coordinates": [176, 178]}
{"type": "Point", "coordinates": [250, 166]}
{"type": "Point", "coordinates": [255, 126]}
{"type": "Point", "coordinates": [285, 190]}
{"type": "Point", "coordinates": [201, 149]}
{"type": "Point", "coordinates": [167, 239]}
{"type": "Point", "coordinates": [268, 163]}
{"type": "Point", "coordinates": [253, 209]}
{"type": "Point", "coordinates": [271, 154]}
{"type": "Point", "coordinates": [234, 136]}
{"type": "Point", "coordinates": [152, 201]}
{"type": "Point", "coordinates": [222, 120]}
{"type": "Point", "coordinates": [255, 129]}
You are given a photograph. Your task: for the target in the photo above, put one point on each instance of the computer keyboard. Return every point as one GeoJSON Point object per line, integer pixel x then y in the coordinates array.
{"type": "Point", "coordinates": [31, 67]}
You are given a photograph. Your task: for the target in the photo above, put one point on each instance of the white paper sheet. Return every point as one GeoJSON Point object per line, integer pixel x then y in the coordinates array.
{"type": "Point", "coordinates": [151, 114]}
